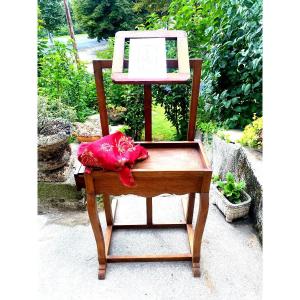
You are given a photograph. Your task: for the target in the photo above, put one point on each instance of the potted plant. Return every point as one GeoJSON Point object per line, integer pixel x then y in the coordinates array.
{"type": "Point", "coordinates": [231, 197]}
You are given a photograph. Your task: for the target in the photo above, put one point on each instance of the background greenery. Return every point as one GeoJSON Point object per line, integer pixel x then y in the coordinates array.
{"type": "Point", "coordinates": [226, 34]}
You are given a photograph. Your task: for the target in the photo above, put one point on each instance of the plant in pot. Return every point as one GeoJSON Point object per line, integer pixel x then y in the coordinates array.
{"type": "Point", "coordinates": [231, 197]}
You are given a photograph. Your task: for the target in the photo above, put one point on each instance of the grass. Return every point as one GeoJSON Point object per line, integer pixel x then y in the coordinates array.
{"type": "Point", "coordinates": [162, 129]}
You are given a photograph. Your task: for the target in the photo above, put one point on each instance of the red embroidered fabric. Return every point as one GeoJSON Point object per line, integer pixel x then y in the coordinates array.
{"type": "Point", "coordinates": [114, 152]}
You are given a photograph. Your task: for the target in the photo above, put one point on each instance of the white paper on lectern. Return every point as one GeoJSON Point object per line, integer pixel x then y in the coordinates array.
{"type": "Point", "coordinates": [147, 58]}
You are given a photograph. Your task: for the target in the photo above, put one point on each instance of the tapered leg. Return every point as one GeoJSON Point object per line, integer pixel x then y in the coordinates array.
{"type": "Point", "coordinates": [95, 222]}
{"type": "Point", "coordinates": [201, 220]}
{"type": "Point", "coordinates": [107, 209]}
{"type": "Point", "coordinates": [190, 208]}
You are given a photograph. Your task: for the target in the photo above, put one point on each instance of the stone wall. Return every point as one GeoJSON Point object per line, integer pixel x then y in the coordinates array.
{"type": "Point", "coordinates": [246, 164]}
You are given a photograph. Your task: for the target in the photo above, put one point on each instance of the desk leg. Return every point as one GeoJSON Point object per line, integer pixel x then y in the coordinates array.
{"type": "Point", "coordinates": [95, 222]}
{"type": "Point", "coordinates": [107, 209]}
{"type": "Point", "coordinates": [149, 210]}
{"type": "Point", "coordinates": [190, 208]}
{"type": "Point", "coordinates": [201, 220]}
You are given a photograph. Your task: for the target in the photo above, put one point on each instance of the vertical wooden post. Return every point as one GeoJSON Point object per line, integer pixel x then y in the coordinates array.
{"type": "Point", "coordinates": [147, 112]}
{"type": "Point", "coordinates": [190, 208]}
{"type": "Point", "coordinates": [96, 225]}
{"type": "Point", "coordinates": [148, 137]}
{"type": "Point", "coordinates": [194, 100]}
{"type": "Point", "coordinates": [107, 209]}
{"type": "Point", "coordinates": [101, 99]}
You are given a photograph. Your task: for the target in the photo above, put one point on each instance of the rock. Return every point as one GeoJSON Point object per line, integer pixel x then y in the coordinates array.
{"type": "Point", "coordinates": [53, 148]}
{"type": "Point", "coordinates": [57, 190]}
{"type": "Point", "coordinates": [91, 128]}
{"type": "Point", "coordinates": [57, 163]}
{"type": "Point", "coordinates": [57, 175]}
{"type": "Point", "coordinates": [246, 165]}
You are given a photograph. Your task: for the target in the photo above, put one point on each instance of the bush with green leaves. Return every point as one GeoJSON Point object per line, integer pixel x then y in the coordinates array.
{"type": "Point", "coordinates": [103, 18]}
{"type": "Point", "coordinates": [175, 100]}
{"type": "Point", "coordinates": [55, 109]}
{"type": "Point", "coordinates": [253, 134]}
{"type": "Point", "coordinates": [227, 34]}
{"type": "Point", "coordinates": [233, 85]}
{"type": "Point", "coordinates": [231, 188]}
{"type": "Point", "coordinates": [61, 79]}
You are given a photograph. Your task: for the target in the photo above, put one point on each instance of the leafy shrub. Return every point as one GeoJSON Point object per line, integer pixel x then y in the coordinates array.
{"type": "Point", "coordinates": [55, 109]}
{"type": "Point", "coordinates": [233, 85]}
{"type": "Point", "coordinates": [175, 100]}
{"type": "Point", "coordinates": [210, 127]}
{"type": "Point", "coordinates": [253, 134]}
{"type": "Point", "coordinates": [61, 79]}
{"type": "Point", "coordinates": [224, 136]}
{"type": "Point", "coordinates": [227, 34]}
{"type": "Point", "coordinates": [230, 187]}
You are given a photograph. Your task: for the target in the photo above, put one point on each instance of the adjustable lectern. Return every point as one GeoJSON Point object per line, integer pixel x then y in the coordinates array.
{"type": "Point", "coordinates": [172, 167]}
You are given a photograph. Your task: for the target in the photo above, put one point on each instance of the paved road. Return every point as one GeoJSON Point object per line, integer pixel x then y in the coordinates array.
{"type": "Point", "coordinates": [83, 42]}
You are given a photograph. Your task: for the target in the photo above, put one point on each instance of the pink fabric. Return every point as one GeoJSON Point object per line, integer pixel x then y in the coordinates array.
{"type": "Point", "coordinates": [114, 152]}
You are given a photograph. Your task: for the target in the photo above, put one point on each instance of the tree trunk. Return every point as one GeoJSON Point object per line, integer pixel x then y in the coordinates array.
{"type": "Point", "coordinates": [71, 30]}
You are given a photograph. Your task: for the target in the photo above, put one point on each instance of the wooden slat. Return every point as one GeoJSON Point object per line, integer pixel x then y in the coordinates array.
{"type": "Point", "coordinates": [107, 209]}
{"type": "Point", "coordinates": [190, 208]}
{"type": "Point", "coordinates": [171, 63]}
{"type": "Point", "coordinates": [108, 236]}
{"type": "Point", "coordinates": [149, 226]}
{"type": "Point", "coordinates": [194, 100]}
{"type": "Point", "coordinates": [114, 205]}
{"type": "Point", "coordinates": [183, 56]}
{"type": "Point", "coordinates": [149, 210]}
{"type": "Point", "coordinates": [117, 65]}
{"type": "Point", "coordinates": [161, 33]}
{"type": "Point", "coordinates": [146, 258]}
{"type": "Point", "coordinates": [148, 112]}
{"type": "Point", "coordinates": [101, 100]}
{"type": "Point", "coordinates": [149, 184]}
{"type": "Point", "coordinates": [190, 232]}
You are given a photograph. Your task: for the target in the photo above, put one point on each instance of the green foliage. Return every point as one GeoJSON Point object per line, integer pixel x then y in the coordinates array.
{"type": "Point", "coordinates": [159, 7]}
{"type": "Point", "coordinates": [224, 136]}
{"type": "Point", "coordinates": [253, 134]}
{"type": "Point", "coordinates": [128, 96]}
{"type": "Point", "coordinates": [103, 18]}
{"type": "Point", "coordinates": [230, 187]}
{"type": "Point", "coordinates": [55, 109]}
{"type": "Point", "coordinates": [162, 129]}
{"type": "Point", "coordinates": [227, 34]}
{"type": "Point", "coordinates": [209, 127]}
{"type": "Point", "coordinates": [233, 86]}
{"type": "Point", "coordinates": [175, 101]}
{"type": "Point", "coordinates": [52, 14]}
{"type": "Point", "coordinates": [62, 80]}
{"type": "Point", "coordinates": [42, 41]}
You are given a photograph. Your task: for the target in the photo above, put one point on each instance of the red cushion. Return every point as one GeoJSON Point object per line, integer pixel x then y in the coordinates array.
{"type": "Point", "coordinates": [114, 152]}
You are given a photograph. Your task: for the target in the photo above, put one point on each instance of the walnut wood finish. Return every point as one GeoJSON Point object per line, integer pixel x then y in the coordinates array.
{"type": "Point", "coordinates": [172, 167]}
